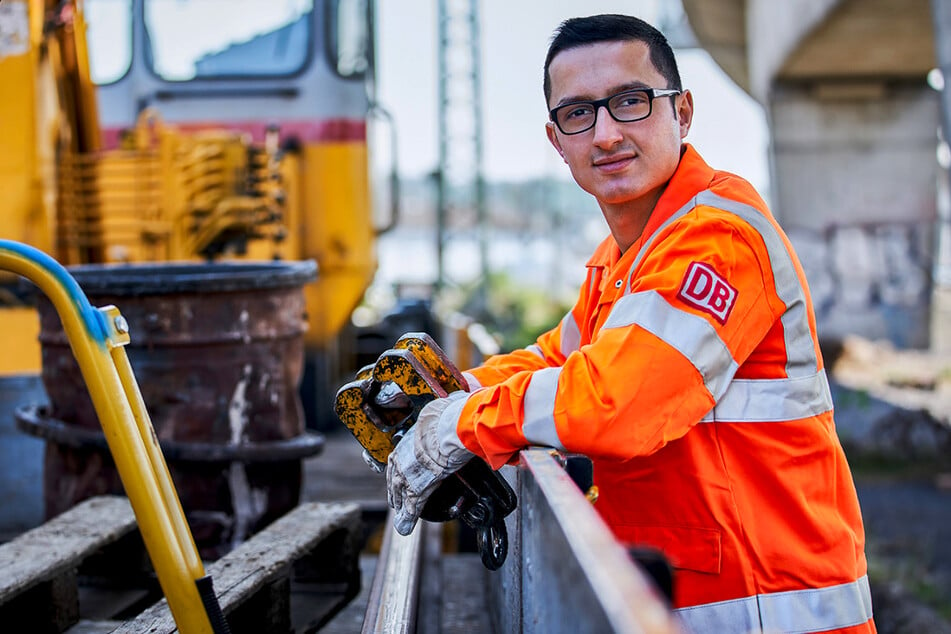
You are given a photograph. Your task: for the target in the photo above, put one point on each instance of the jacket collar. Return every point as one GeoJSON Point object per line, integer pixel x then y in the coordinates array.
{"type": "Point", "coordinates": [692, 176]}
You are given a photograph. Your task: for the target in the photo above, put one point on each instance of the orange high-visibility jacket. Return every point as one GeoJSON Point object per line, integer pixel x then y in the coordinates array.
{"type": "Point", "coordinates": [689, 372]}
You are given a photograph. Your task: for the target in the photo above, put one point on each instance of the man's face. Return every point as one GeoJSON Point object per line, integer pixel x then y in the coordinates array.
{"type": "Point", "coordinates": [616, 162]}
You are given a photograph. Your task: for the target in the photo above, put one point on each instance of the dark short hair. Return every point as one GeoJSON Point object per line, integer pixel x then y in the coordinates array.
{"type": "Point", "coordinates": [612, 27]}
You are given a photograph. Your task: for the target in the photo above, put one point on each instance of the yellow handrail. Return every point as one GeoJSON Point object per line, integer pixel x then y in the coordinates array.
{"type": "Point", "coordinates": [97, 337]}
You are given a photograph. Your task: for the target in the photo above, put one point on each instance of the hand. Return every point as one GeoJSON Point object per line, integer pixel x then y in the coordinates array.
{"type": "Point", "coordinates": [428, 453]}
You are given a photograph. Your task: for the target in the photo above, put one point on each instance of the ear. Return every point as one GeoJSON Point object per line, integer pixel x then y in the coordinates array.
{"type": "Point", "coordinates": [553, 138]}
{"type": "Point", "coordinates": [685, 112]}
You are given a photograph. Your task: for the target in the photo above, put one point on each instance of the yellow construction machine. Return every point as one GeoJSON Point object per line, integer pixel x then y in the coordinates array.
{"type": "Point", "coordinates": [173, 130]}
{"type": "Point", "coordinates": [142, 144]}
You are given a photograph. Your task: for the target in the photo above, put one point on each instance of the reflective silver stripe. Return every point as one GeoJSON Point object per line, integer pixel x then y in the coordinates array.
{"type": "Point", "coordinates": [539, 409]}
{"type": "Point", "coordinates": [739, 615]}
{"type": "Point", "coordinates": [690, 334]}
{"type": "Point", "coordinates": [535, 349]}
{"type": "Point", "coordinates": [814, 610]}
{"type": "Point", "coordinates": [570, 334]}
{"type": "Point", "coordinates": [767, 400]}
{"type": "Point", "coordinates": [800, 351]}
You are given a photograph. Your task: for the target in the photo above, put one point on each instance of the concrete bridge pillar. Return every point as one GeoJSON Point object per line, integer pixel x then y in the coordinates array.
{"type": "Point", "coordinates": [856, 192]}
{"type": "Point", "coordinates": [941, 296]}
{"type": "Point", "coordinates": [854, 134]}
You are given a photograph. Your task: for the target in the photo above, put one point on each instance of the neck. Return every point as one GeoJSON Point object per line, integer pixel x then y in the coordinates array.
{"type": "Point", "coordinates": [627, 220]}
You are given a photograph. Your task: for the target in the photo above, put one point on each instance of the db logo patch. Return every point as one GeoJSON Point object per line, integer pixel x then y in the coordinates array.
{"type": "Point", "coordinates": [703, 288]}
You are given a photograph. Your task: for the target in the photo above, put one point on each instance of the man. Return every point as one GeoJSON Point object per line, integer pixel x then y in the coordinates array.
{"type": "Point", "coordinates": [688, 370]}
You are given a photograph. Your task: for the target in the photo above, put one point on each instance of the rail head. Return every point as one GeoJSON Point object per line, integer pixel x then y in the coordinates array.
{"type": "Point", "coordinates": [565, 572]}
{"type": "Point", "coordinates": [393, 600]}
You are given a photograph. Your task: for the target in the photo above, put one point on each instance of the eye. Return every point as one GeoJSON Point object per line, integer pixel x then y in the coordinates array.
{"type": "Point", "coordinates": [576, 111]}
{"type": "Point", "coordinates": [630, 99]}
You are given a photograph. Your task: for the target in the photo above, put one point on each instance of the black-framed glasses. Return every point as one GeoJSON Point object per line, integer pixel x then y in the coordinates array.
{"type": "Point", "coordinates": [627, 106]}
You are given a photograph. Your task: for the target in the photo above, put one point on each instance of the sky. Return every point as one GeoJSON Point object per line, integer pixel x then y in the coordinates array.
{"type": "Point", "coordinates": [729, 127]}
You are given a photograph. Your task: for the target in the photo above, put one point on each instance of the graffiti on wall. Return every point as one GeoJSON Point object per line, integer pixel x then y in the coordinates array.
{"type": "Point", "coordinates": [872, 280]}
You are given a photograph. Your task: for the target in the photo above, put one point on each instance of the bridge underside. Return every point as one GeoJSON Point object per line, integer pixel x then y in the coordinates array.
{"type": "Point", "coordinates": [854, 129]}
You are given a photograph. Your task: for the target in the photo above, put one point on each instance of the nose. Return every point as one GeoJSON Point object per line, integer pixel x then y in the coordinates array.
{"type": "Point", "coordinates": [607, 131]}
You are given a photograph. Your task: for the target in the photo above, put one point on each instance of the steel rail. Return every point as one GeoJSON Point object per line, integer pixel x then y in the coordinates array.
{"type": "Point", "coordinates": [566, 572]}
{"type": "Point", "coordinates": [393, 601]}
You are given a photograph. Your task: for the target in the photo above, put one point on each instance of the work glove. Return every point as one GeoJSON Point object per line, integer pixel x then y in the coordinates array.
{"type": "Point", "coordinates": [429, 453]}
{"type": "Point", "coordinates": [471, 381]}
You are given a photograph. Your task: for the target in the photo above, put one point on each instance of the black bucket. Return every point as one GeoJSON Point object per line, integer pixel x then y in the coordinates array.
{"type": "Point", "coordinates": [217, 351]}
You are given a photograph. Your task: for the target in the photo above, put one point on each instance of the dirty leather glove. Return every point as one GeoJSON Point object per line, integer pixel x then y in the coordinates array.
{"type": "Point", "coordinates": [428, 453]}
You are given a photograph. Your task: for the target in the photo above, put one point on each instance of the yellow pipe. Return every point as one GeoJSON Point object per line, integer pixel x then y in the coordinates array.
{"type": "Point", "coordinates": [173, 506]}
{"type": "Point", "coordinates": [96, 341]}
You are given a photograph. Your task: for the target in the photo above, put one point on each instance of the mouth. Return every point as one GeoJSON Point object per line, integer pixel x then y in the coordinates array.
{"type": "Point", "coordinates": [614, 163]}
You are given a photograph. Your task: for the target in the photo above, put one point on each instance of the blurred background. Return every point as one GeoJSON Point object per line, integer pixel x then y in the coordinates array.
{"type": "Point", "coordinates": [834, 116]}
{"type": "Point", "coordinates": [541, 227]}
{"type": "Point", "coordinates": [400, 146]}
{"type": "Point", "coordinates": [832, 110]}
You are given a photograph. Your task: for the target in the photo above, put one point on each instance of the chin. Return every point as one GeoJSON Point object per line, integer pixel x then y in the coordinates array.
{"type": "Point", "coordinates": [615, 196]}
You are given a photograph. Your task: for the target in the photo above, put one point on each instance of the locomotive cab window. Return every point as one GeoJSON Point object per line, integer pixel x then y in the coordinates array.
{"type": "Point", "coordinates": [198, 39]}
{"type": "Point", "coordinates": [349, 44]}
{"type": "Point", "coordinates": [109, 37]}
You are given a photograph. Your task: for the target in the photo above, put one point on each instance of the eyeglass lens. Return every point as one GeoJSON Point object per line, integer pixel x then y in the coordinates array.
{"type": "Point", "coordinates": [626, 106]}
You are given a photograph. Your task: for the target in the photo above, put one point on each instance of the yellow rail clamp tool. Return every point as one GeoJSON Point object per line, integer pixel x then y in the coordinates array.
{"type": "Point", "coordinates": [97, 337]}
{"type": "Point", "coordinates": [382, 404]}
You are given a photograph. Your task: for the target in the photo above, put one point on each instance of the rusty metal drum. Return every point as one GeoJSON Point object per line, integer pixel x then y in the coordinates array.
{"type": "Point", "coordinates": [217, 351]}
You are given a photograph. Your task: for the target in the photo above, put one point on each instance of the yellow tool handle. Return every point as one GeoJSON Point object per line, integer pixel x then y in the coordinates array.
{"type": "Point", "coordinates": [97, 337]}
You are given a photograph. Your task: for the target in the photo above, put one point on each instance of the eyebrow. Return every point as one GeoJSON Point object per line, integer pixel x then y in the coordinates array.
{"type": "Point", "coordinates": [634, 85]}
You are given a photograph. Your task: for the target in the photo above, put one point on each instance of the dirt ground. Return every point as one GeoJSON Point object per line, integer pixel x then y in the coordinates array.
{"type": "Point", "coordinates": [893, 414]}
{"type": "Point", "coordinates": [908, 532]}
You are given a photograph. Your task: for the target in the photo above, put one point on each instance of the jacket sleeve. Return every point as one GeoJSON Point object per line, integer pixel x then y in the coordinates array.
{"type": "Point", "coordinates": [657, 364]}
